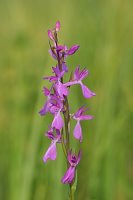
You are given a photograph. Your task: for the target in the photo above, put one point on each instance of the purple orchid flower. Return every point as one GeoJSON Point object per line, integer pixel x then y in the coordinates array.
{"type": "Point", "coordinates": [58, 50]}
{"type": "Point", "coordinates": [60, 87]}
{"type": "Point", "coordinates": [55, 108]}
{"type": "Point", "coordinates": [70, 173]}
{"type": "Point", "coordinates": [53, 104]}
{"type": "Point", "coordinates": [51, 153]}
{"type": "Point", "coordinates": [78, 77]}
{"type": "Point", "coordinates": [79, 115]}
{"type": "Point", "coordinates": [63, 51]}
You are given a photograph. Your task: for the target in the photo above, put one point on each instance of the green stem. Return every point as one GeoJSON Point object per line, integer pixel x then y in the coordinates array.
{"type": "Point", "coordinates": [63, 144]}
{"type": "Point", "coordinates": [71, 192]}
{"type": "Point", "coordinates": [66, 120]}
{"type": "Point", "coordinates": [66, 147]}
{"type": "Point", "coordinates": [73, 187]}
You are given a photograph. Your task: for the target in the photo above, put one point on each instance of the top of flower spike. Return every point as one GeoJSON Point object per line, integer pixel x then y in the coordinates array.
{"type": "Point", "coordinates": [57, 26]}
{"type": "Point", "coordinates": [51, 33]}
{"type": "Point", "coordinates": [59, 50]}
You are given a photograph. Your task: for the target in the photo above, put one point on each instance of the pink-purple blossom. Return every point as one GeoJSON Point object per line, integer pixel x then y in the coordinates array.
{"type": "Point", "coordinates": [78, 77]}
{"type": "Point", "coordinates": [72, 50]}
{"type": "Point", "coordinates": [57, 104]}
{"type": "Point", "coordinates": [79, 116]}
{"type": "Point", "coordinates": [70, 173]}
{"type": "Point", "coordinates": [51, 152]}
{"type": "Point", "coordinates": [57, 121]}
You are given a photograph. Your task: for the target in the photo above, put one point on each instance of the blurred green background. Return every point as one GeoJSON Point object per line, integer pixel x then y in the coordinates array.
{"type": "Point", "coordinates": [104, 30]}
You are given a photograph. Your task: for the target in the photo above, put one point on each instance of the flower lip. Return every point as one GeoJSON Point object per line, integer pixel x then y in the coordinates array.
{"type": "Point", "coordinates": [68, 176]}
{"type": "Point", "coordinates": [57, 121]}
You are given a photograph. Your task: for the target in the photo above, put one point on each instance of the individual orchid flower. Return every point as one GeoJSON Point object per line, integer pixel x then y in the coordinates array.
{"type": "Point", "coordinates": [59, 86]}
{"type": "Point", "coordinates": [51, 153]}
{"type": "Point", "coordinates": [70, 173]}
{"type": "Point", "coordinates": [53, 103]}
{"type": "Point", "coordinates": [56, 108]}
{"type": "Point", "coordinates": [78, 77]}
{"type": "Point", "coordinates": [63, 51]}
{"type": "Point", "coordinates": [57, 50]}
{"type": "Point", "coordinates": [78, 116]}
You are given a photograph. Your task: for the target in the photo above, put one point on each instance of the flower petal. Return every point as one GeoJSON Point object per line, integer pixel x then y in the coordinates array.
{"type": "Point", "coordinates": [64, 67]}
{"type": "Point", "coordinates": [52, 54]}
{"type": "Point", "coordinates": [85, 117]}
{"type": "Point", "coordinates": [69, 176]}
{"type": "Point", "coordinates": [73, 49]}
{"type": "Point", "coordinates": [57, 72]}
{"type": "Point", "coordinates": [80, 112]}
{"type": "Point", "coordinates": [50, 35]}
{"type": "Point", "coordinates": [58, 121]}
{"type": "Point", "coordinates": [79, 157]}
{"type": "Point", "coordinates": [57, 26]}
{"type": "Point", "coordinates": [46, 91]}
{"type": "Point", "coordinates": [50, 134]}
{"type": "Point", "coordinates": [87, 93]}
{"type": "Point", "coordinates": [45, 109]}
{"type": "Point", "coordinates": [83, 74]}
{"type": "Point", "coordinates": [51, 153]}
{"type": "Point", "coordinates": [78, 131]}
{"type": "Point", "coordinates": [70, 83]}
{"type": "Point", "coordinates": [61, 89]}
{"type": "Point", "coordinates": [69, 155]}
{"type": "Point", "coordinates": [77, 73]}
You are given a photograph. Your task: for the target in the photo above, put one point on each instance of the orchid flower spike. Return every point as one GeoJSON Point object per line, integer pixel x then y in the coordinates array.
{"type": "Point", "coordinates": [57, 105]}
